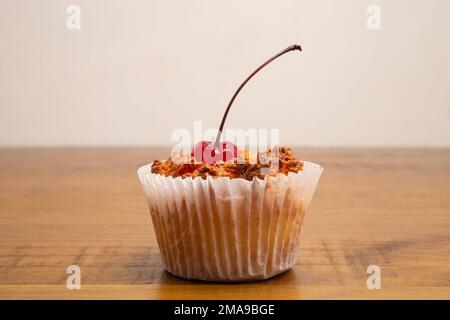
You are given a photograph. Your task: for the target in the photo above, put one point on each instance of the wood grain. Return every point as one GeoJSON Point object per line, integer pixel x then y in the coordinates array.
{"type": "Point", "coordinates": [85, 206]}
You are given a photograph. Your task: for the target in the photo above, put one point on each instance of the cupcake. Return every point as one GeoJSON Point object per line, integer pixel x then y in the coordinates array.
{"type": "Point", "coordinates": [227, 222]}
{"type": "Point", "coordinates": [220, 214]}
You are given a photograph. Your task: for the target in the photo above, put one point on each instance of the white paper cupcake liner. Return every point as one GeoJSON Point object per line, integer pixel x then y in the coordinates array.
{"type": "Point", "coordinates": [222, 229]}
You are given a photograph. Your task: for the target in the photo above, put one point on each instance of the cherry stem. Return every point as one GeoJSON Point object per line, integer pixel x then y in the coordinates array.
{"type": "Point", "coordinates": [290, 48]}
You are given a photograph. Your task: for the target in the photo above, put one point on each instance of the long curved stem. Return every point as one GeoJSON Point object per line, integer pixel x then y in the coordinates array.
{"type": "Point", "coordinates": [222, 123]}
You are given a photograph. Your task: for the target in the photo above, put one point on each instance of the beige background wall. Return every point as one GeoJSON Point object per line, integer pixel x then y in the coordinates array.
{"type": "Point", "coordinates": [139, 69]}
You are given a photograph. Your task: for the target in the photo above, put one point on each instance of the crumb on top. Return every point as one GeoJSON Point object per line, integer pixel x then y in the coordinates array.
{"type": "Point", "coordinates": [241, 167]}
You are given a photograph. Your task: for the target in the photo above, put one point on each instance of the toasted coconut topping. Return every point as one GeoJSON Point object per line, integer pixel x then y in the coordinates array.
{"type": "Point", "coordinates": [247, 166]}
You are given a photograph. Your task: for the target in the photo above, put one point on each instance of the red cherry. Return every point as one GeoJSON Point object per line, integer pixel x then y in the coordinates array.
{"type": "Point", "coordinates": [229, 151]}
{"type": "Point", "coordinates": [205, 151]}
{"type": "Point", "coordinates": [199, 149]}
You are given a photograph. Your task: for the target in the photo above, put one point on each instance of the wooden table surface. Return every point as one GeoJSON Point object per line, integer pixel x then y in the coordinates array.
{"type": "Point", "coordinates": [85, 207]}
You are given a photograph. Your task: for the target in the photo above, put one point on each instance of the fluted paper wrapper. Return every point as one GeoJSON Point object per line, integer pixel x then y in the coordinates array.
{"type": "Point", "coordinates": [222, 229]}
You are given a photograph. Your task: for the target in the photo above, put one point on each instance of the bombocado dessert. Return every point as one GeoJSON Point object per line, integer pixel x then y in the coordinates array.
{"type": "Point", "coordinates": [224, 214]}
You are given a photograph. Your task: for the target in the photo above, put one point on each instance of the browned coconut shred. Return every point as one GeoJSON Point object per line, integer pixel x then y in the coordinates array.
{"type": "Point", "coordinates": [246, 166]}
